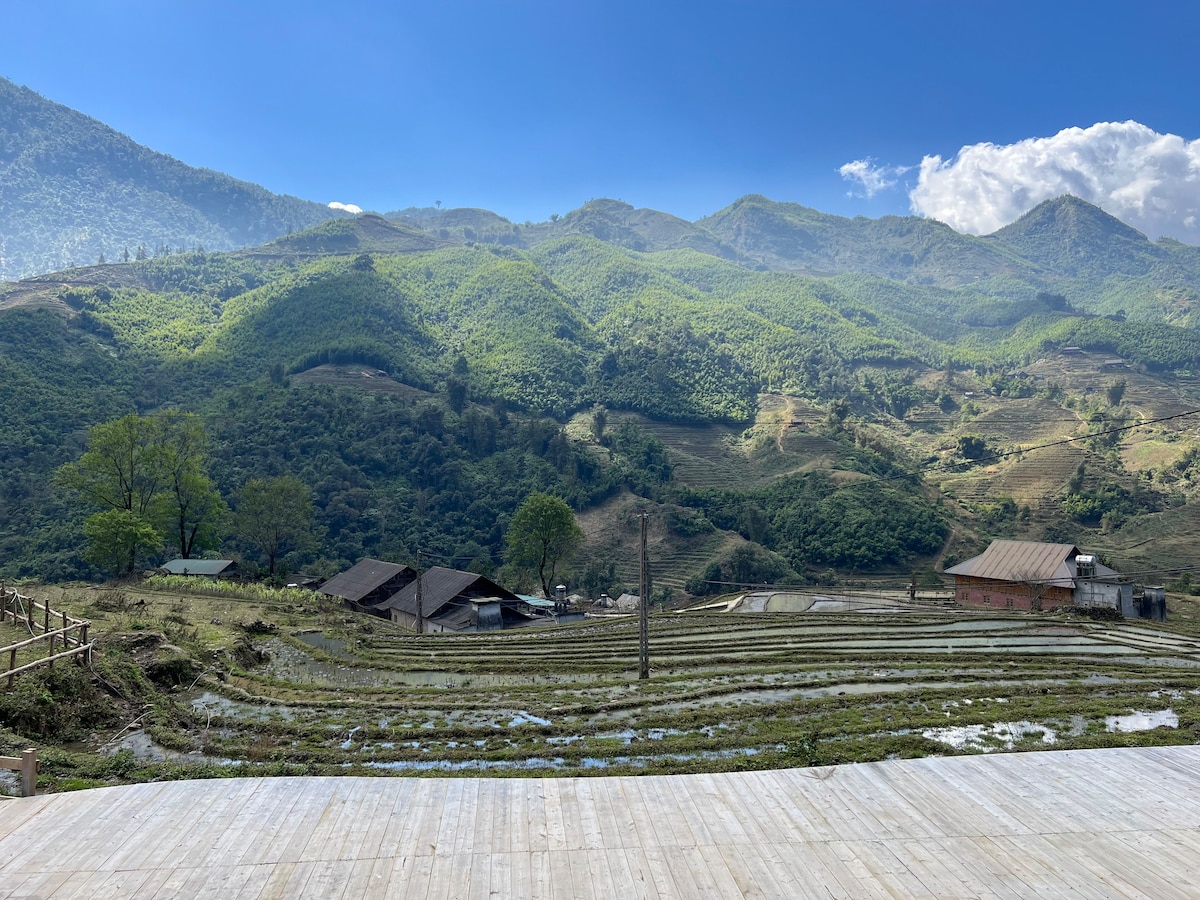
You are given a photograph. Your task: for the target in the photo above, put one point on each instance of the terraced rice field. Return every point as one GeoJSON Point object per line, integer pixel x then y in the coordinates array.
{"type": "Point", "coordinates": [726, 692]}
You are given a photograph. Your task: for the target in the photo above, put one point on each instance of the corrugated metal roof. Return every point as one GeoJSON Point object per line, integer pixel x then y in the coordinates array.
{"type": "Point", "coordinates": [1023, 561]}
{"type": "Point", "coordinates": [456, 617]}
{"type": "Point", "coordinates": [208, 567]}
{"type": "Point", "coordinates": [439, 586]}
{"type": "Point", "coordinates": [363, 577]}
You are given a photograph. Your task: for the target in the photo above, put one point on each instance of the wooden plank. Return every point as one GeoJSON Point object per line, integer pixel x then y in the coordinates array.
{"type": "Point", "coordinates": [513, 878]}
{"type": "Point", "coordinates": [411, 825]}
{"type": "Point", "coordinates": [328, 878]}
{"type": "Point", "coordinates": [685, 809]}
{"type": "Point", "coordinates": [589, 817]}
{"type": "Point", "coordinates": [651, 881]}
{"type": "Point", "coordinates": [844, 869]}
{"type": "Point", "coordinates": [515, 822]}
{"type": "Point", "coordinates": [621, 879]}
{"type": "Point", "coordinates": [561, 882]}
{"type": "Point", "coordinates": [482, 867]}
{"type": "Point", "coordinates": [460, 837]}
{"type": "Point", "coordinates": [556, 828]}
{"type": "Point", "coordinates": [460, 820]}
{"type": "Point", "coordinates": [363, 879]}
{"type": "Point", "coordinates": [574, 837]}
{"type": "Point", "coordinates": [287, 879]}
{"type": "Point", "coordinates": [410, 876]}
{"type": "Point", "coordinates": [540, 884]}
{"type": "Point", "coordinates": [500, 813]}
{"type": "Point", "coordinates": [451, 877]}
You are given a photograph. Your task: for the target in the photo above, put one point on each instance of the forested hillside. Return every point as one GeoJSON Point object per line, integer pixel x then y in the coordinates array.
{"type": "Point", "coordinates": [73, 191]}
{"type": "Point", "coordinates": [783, 427]}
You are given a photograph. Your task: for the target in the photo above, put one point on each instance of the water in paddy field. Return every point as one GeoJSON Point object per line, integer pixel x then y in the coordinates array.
{"type": "Point", "coordinates": [1143, 721]}
{"type": "Point", "coordinates": [986, 738]}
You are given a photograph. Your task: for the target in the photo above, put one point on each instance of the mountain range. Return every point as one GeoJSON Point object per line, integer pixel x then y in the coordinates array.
{"type": "Point", "coordinates": [799, 396]}
{"type": "Point", "coordinates": [73, 190]}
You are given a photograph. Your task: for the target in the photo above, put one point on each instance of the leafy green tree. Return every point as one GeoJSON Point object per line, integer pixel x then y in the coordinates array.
{"type": "Point", "coordinates": [190, 502]}
{"type": "Point", "coordinates": [116, 537]}
{"type": "Point", "coordinates": [542, 534]}
{"type": "Point", "coordinates": [151, 470]}
{"type": "Point", "coordinates": [276, 516]}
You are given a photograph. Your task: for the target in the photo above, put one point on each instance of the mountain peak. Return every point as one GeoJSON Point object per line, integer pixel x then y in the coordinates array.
{"type": "Point", "coordinates": [1073, 215]}
{"type": "Point", "coordinates": [1078, 238]}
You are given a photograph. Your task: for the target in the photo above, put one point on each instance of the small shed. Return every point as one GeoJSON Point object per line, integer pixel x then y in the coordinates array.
{"type": "Point", "coordinates": [200, 568]}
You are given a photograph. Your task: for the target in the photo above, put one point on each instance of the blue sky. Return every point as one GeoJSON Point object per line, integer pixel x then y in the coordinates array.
{"type": "Point", "coordinates": [531, 108]}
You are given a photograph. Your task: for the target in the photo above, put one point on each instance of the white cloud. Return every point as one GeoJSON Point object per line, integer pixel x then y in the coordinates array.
{"type": "Point", "coordinates": [1147, 179]}
{"type": "Point", "coordinates": [348, 207]}
{"type": "Point", "coordinates": [870, 177]}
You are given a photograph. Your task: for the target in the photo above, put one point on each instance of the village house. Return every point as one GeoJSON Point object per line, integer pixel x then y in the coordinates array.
{"type": "Point", "coordinates": [200, 568]}
{"type": "Point", "coordinates": [368, 583]}
{"type": "Point", "coordinates": [1030, 575]}
{"type": "Point", "coordinates": [451, 600]}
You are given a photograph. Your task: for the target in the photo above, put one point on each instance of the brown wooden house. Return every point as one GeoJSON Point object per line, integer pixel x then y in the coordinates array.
{"type": "Point", "coordinates": [1030, 575]}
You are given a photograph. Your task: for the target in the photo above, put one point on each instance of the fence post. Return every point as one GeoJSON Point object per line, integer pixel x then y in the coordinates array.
{"type": "Point", "coordinates": [66, 637]}
{"type": "Point", "coordinates": [50, 652]}
{"type": "Point", "coordinates": [28, 773]}
{"type": "Point", "coordinates": [46, 618]}
{"type": "Point", "coordinates": [12, 664]}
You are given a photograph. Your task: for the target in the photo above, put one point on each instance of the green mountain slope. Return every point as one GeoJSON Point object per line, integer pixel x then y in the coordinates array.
{"type": "Point", "coordinates": [72, 190]}
{"type": "Point", "coordinates": [784, 425]}
{"type": "Point", "coordinates": [792, 237]}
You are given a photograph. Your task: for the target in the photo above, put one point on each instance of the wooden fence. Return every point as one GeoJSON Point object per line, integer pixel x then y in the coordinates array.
{"type": "Point", "coordinates": [26, 764]}
{"type": "Point", "coordinates": [39, 617]}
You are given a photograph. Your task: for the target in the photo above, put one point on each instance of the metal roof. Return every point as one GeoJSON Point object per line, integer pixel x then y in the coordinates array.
{"type": "Point", "coordinates": [1026, 561]}
{"type": "Point", "coordinates": [207, 567]}
{"type": "Point", "coordinates": [362, 578]}
{"type": "Point", "coordinates": [439, 586]}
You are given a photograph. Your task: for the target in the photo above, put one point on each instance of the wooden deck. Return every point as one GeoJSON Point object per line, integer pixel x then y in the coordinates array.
{"type": "Point", "coordinates": [1121, 822]}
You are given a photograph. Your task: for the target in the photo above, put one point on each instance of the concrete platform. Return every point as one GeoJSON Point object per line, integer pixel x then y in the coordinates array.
{"type": "Point", "coordinates": [1096, 823]}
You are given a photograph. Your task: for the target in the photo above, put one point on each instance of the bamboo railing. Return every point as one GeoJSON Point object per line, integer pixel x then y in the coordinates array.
{"type": "Point", "coordinates": [39, 617]}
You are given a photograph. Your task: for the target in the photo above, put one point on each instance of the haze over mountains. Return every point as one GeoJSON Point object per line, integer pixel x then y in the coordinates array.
{"type": "Point", "coordinates": [73, 190]}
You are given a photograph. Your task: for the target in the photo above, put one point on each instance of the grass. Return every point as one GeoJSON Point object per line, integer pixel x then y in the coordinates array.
{"type": "Point", "coordinates": [727, 692]}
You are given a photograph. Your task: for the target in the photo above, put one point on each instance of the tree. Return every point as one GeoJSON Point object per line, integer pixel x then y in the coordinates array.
{"type": "Point", "coordinates": [1115, 391]}
{"type": "Point", "coordinates": [115, 537]}
{"type": "Point", "coordinates": [599, 421]}
{"type": "Point", "coordinates": [542, 534]}
{"type": "Point", "coordinates": [150, 470]}
{"type": "Point", "coordinates": [276, 515]}
{"type": "Point", "coordinates": [190, 502]}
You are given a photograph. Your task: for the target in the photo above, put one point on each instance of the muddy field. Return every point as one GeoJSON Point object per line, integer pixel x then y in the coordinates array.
{"type": "Point", "coordinates": [341, 693]}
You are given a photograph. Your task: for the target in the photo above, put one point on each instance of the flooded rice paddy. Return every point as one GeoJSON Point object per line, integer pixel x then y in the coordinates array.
{"type": "Point", "coordinates": [725, 692]}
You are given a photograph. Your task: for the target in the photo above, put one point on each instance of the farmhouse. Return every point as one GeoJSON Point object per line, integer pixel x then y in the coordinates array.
{"type": "Point", "coordinates": [368, 583]}
{"type": "Point", "coordinates": [1034, 576]}
{"type": "Point", "coordinates": [451, 600]}
{"type": "Point", "coordinates": [202, 568]}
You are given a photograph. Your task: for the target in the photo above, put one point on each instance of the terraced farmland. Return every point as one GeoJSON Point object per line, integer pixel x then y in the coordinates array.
{"type": "Point", "coordinates": [727, 691]}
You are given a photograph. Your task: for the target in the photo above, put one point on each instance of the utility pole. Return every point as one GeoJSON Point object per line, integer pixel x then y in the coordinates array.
{"type": "Point", "coordinates": [644, 608]}
{"type": "Point", "coordinates": [420, 616]}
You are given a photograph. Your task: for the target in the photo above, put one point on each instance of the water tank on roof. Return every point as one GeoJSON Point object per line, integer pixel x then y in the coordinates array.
{"type": "Point", "coordinates": [1086, 564]}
